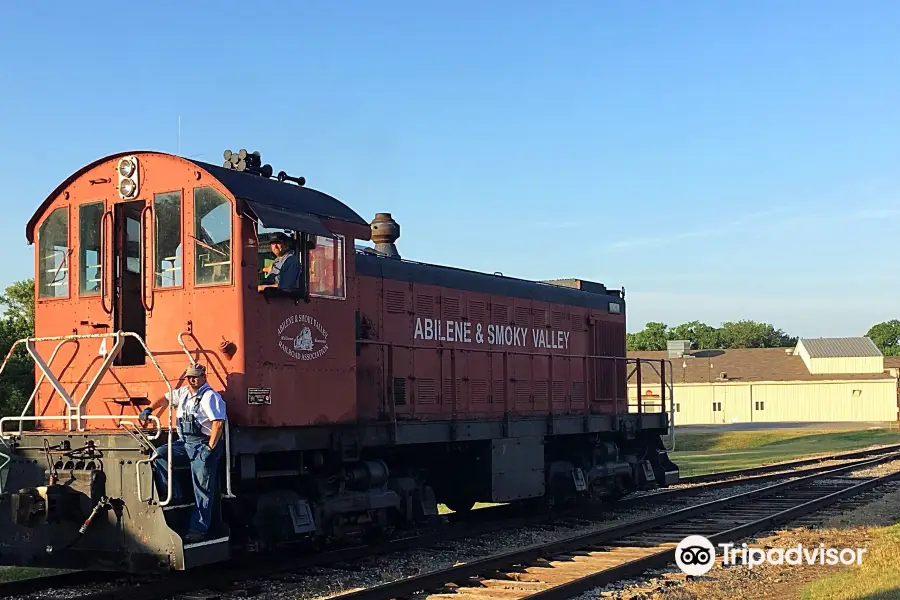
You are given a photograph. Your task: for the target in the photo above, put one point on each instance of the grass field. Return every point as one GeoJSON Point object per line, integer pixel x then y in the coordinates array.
{"type": "Point", "coordinates": [700, 453]}
{"type": "Point", "coordinates": [877, 578]}
{"type": "Point", "coordinates": [15, 573]}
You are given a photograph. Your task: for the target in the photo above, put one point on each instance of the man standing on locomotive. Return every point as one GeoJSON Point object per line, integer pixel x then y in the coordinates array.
{"type": "Point", "coordinates": [200, 419]}
{"type": "Point", "coordinates": [285, 271]}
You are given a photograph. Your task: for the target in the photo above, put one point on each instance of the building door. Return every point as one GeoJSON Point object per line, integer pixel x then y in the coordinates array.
{"type": "Point", "coordinates": [733, 403]}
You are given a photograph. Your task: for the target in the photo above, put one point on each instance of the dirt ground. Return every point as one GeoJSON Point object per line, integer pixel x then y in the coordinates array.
{"type": "Point", "coordinates": [852, 529]}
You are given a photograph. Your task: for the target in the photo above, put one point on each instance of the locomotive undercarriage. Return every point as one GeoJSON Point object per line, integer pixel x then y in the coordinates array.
{"type": "Point", "coordinates": [80, 500]}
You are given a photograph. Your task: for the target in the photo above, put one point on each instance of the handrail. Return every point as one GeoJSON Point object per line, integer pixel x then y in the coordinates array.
{"type": "Point", "coordinates": [121, 418]}
{"type": "Point", "coordinates": [227, 427]}
{"type": "Point", "coordinates": [40, 381]}
{"type": "Point", "coordinates": [92, 387]}
{"type": "Point", "coordinates": [7, 460]}
{"type": "Point", "coordinates": [143, 249]}
{"type": "Point", "coordinates": [589, 380]}
{"type": "Point", "coordinates": [104, 265]}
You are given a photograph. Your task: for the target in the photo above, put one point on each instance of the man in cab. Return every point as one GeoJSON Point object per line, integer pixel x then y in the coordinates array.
{"type": "Point", "coordinates": [285, 271]}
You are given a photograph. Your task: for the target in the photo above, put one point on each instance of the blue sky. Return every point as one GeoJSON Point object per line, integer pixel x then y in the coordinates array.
{"type": "Point", "coordinates": [718, 160]}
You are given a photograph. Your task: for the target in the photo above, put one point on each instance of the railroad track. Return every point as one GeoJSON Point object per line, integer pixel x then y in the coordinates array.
{"type": "Point", "coordinates": [567, 568]}
{"type": "Point", "coordinates": [480, 522]}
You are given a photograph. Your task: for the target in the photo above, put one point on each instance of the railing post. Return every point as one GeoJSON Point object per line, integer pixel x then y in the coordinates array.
{"type": "Point", "coordinates": [639, 390]}
{"type": "Point", "coordinates": [662, 392]}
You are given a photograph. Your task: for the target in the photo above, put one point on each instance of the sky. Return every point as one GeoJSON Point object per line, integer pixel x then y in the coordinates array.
{"type": "Point", "coordinates": [720, 161]}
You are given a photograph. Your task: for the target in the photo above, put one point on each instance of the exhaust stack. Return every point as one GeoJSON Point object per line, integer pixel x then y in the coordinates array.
{"type": "Point", "coordinates": [385, 231]}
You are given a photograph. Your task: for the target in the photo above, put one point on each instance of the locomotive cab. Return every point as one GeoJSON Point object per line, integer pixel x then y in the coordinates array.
{"type": "Point", "coordinates": [144, 264]}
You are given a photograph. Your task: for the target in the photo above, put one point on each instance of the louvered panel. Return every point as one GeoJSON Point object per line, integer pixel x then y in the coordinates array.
{"type": "Point", "coordinates": [539, 316]}
{"type": "Point", "coordinates": [399, 391]}
{"type": "Point", "coordinates": [476, 311]}
{"type": "Point", "coordinates": [540, 393]}
{"type": "Point", "coordinates": [500, 314]}
{"type": "Point", "coordinates": [578, 393]}
{"type": "Point", "coordinates": [479, 389]}
{"type": "Point", "coordinates": [395, 301]}
{"type": "Point", "coordinates": [498, 394]}
{"type": "Point", "coordinates": [451, 308]}
{"type": "Point", "coordinates": [578, 321]}
{"type": "Point", "coordinates": [447, 396]}
{"type": "Point", "coordinates": [425, 305]}
{"type": "Point", "coordinates": [523, 392]}
{"type": "Point", "coordinates": [559, 392]}
{"type": "Point", "coordinates": [425, 391]}
{"type": "Point", "coordinates": [557, 319]}
{"type": "Point", "coordinates": [523, 316]}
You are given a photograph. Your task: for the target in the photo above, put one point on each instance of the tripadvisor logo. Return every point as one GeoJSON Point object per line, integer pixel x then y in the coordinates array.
{"type": "Point", "coordinates": [695, 555]}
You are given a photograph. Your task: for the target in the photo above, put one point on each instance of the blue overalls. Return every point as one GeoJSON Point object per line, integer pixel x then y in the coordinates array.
{"type": "Point", "coordinates": [192, 448]}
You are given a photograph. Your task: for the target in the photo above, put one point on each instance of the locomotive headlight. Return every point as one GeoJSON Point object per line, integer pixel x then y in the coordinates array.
{"type": "Point", "coordinates": [129, 177]}
{"type": "Point", "coordinates": [126, 188]}
{"type": "Point", "coordinates": [126, 168]}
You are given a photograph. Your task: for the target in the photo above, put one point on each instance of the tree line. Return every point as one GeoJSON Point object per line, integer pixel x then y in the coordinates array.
{"type": "Point", "coordinates": [733, 334]}
{"type": "Point", "coordinates": [745, 334]}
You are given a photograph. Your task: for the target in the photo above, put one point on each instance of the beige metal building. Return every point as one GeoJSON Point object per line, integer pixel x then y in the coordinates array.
{"type": "Point", "coordinates": [824, 379]}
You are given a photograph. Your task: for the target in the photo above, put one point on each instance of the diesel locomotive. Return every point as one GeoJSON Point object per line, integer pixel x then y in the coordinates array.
{"type": "Point", "coordinates": [358, 400]}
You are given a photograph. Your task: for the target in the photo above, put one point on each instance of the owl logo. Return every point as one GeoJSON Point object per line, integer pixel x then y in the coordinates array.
{"type": "Point", "coordinates": [304, 340]}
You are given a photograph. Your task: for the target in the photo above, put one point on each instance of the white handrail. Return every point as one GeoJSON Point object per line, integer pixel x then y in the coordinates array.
{"type": "Point", "coordinates": [92, 387]}
{"type": "Point", "coordinates": [40, 381]}
{"type": "Point", "coordinates": [121, 418]}
{"type": "Point", "coordinates": [228, 492]}
{"type": "Point", "coordinates": [3, 466]}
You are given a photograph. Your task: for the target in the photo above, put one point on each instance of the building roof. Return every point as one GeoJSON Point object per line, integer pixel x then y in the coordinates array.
{"type": "Point", "coordinates": [851, 347]}
{"type": "Point", "coordinates": [745, 364]}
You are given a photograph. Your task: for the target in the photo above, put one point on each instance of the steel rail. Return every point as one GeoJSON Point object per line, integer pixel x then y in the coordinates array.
{"type": "Point", "coordinates": [461, 573]}
{"type": "Point", "coordinates": [735, 534]}
{"type": "Point", "coordinates": [477, 522]}
{"type": "Point", "coordinates": [788, 465]}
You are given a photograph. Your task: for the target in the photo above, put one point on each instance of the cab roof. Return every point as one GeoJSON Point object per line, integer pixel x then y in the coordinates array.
{"type": "Point", "coordinates": [260, 193]}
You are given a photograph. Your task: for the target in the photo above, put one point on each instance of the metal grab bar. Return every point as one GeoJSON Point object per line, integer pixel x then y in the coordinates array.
{"type": "Point", "coordinates": [40, 381]}
{"type": "Point", "coordinates": [121, 418]}
{"type": "Point", "coordinates": [228, 492]}
{"type": "Point", "coordinates": [92, 387]}
{"type": "Point", "coordinates": [143, 250]}
{"type": "Point", "coordinates": [670, 384]}
{"type": "Point", "coordinates": [104, 266]}
{"type": "Point", "coordinates": [6, 461]}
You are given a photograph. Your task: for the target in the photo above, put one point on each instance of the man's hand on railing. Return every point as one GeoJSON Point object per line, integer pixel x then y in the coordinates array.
{"type": "Point", "coordinates": [144, 416]}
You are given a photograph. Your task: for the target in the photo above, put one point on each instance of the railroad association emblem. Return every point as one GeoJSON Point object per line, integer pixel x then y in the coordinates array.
{"type": "Point", "coordinates": [302, 337]}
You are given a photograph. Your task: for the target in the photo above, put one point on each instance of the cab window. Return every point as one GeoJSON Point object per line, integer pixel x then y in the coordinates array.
{"type": "Point", "coordinates": [167, 234]}
{"type": "Point", "coordinates": [326, 267]}
{"type": "Point", "coordinates": [53, 255]}
{"type": "Point", "coordinates": [212, 237]}
{"type": "Point", "coordinates": [267, 257]}
{"type": "Point", "coordinates": [90, 220]}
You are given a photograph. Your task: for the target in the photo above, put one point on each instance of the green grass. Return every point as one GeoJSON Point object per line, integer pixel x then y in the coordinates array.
{"type": "Point", "coordinates": [16, 573]}
{"type": "Point", "coordinates": [877, 578]}
{"type": "Point", "coordinates": [700, 453]}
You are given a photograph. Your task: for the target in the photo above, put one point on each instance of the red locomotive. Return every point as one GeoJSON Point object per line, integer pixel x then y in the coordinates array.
{"type": "Point", "coordinates": [358, 398]}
